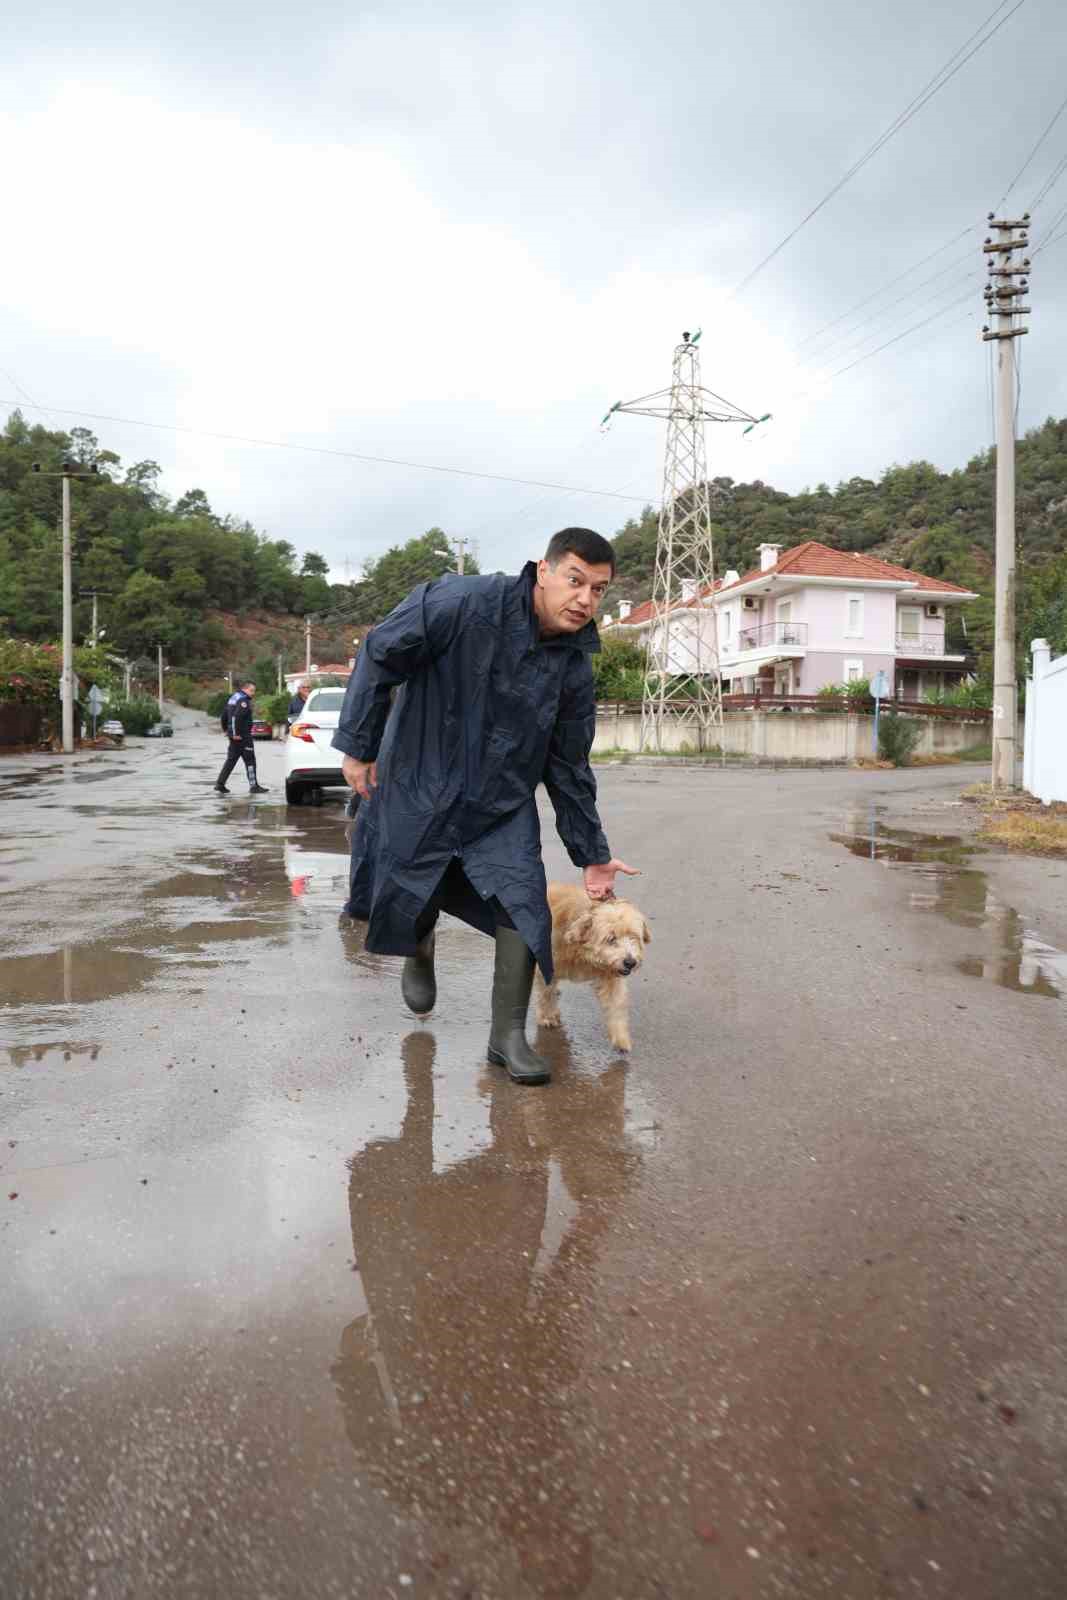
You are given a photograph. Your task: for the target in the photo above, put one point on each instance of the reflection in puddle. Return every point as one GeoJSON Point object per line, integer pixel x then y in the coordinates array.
{"type": "Point", "coordinates": [948, 884]}
{"type": "Point", "coordinates": [23, 1055]}
{"type": "Point", "coordinates": [468, 1327]}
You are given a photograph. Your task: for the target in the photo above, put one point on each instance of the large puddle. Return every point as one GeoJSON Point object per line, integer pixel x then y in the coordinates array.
{"type": "Point", "coordinates": [945, 880]}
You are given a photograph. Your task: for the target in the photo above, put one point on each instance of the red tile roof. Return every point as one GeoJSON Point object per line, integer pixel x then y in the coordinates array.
{"type": "Point", "coordinates": [814, 560]}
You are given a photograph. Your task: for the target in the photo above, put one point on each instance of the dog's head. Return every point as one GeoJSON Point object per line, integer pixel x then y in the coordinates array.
{"type": "Point", "coordinates": [612, 934]}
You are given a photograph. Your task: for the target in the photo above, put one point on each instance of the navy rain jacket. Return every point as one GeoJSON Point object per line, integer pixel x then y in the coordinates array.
{"type": "Point", "coordinates": [487, 711]}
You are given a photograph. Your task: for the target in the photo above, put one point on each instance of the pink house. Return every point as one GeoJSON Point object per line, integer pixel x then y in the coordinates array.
{"type": "Point", "coordinates": [813, 616]}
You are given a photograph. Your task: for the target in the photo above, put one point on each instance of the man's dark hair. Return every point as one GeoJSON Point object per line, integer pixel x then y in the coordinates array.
{"type": "Point", "coordinates": [246, 681]}
{"type": "Point", "coordinates": [590, 547]}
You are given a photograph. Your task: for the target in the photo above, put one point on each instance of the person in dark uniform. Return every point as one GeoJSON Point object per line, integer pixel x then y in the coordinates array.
{"type": "Point", "coordinates": [238, 724]}
{"type": "Point", "coordinates": [495, 697]}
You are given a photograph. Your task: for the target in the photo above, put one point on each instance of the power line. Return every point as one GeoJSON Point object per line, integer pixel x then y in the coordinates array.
{"type": "Point", "coordinates": [1050, 182]}
{"type": "Point", "coordinates": [943, 76]}
{"type": "Point", "coordinates": [1059, 113]}
{"type": "Point", "coordinates": [924, 283]}
{"type": "Point", "coordinates": [956, 237]}
{"type": "Point", "coordinates": [344, 455]}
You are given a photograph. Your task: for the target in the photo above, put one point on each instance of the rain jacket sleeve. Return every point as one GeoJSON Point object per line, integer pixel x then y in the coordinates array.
{"type": "Point", "coordinates": [420, 628]}
{"type": "Point", "coordinates": [568, 776]}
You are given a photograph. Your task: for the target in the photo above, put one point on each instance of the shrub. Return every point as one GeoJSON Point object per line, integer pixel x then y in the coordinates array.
{"type": "Point", "coordinates": [136, 716]}
{"type": "Point", "coordinates": [214, 703]}
{"type": "Point", "coordinates": [274, 708]}
{"type": "Point", "coordinates": [831, 697]}
{"type": "Point", "coordinates": [619, 670]}
{"type": "Point", "coordinates": [897, 737]}
{"type": "Point", "coordinates": [186, 691]}
{"type": "Point", "coordinates": [29, 673]}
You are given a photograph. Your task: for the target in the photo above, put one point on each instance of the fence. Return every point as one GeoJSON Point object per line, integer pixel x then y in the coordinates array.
{"type": "Point", "coordinates": [1045, 735]}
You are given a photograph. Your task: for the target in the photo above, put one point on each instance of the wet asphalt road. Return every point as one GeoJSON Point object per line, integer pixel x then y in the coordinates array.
{"type": "Point", "coordinates": [301, 1298]}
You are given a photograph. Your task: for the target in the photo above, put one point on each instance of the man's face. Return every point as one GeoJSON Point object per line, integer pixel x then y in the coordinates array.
{"type": "Point", "coordinates": [250, 688]}
{"type": "Point", "coordinates": [568, 595]}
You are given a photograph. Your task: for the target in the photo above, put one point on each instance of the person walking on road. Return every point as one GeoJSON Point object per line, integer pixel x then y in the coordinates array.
{"type": "Point", "coordinates": [237, 721]}
{"type": "Point", "coordinates": [497, 696]}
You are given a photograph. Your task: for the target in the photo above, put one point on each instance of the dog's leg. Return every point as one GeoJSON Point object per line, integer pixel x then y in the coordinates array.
{"type": "Point", "coordinates": [547, 1003]}
{"type": "Point", "coordinates": [615, 1004]}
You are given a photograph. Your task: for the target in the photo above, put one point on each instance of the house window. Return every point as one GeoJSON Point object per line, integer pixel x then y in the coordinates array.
{"type": "Point", "coordinates": [727, 626]}
{"type": "Point", "coordinates": [909, 622]}
{"type": "Point", "coordinates": [854, 624]}
{"type": "Point", "coordinates": [853, 670]}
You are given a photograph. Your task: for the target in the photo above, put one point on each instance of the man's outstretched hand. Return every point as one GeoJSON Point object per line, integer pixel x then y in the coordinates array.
{"type": "Point", "coordinates": [600, 881]}
{"type": "Point", "coordinates": [362, 776]}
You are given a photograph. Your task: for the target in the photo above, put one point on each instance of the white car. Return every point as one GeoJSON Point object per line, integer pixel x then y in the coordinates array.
{"type": "Point", "coordinates": [311, 762]}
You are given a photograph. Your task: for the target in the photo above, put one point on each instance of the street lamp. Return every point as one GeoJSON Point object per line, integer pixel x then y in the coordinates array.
{"type": "Point", "coordinates": [66, 686]}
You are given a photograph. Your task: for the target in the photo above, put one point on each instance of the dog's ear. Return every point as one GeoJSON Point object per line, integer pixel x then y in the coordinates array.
{"type": "Point", "coordinates": [647, 934]}
{"type": "Point", "coordinates": [580, 929]}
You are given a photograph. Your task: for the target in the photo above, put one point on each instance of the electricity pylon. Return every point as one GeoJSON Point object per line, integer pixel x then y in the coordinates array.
{"type": "Point", "coordinates": [683, 685]}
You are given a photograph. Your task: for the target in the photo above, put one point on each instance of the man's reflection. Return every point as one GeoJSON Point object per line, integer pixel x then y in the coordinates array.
{"type": "Point", "coordinates": [476, 1281]}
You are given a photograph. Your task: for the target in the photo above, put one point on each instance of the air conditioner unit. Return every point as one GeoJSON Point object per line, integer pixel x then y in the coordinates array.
{"type": "Point", "coordinates": [933, 610]}
{"type": "Point", "coordinates": [749, 603]}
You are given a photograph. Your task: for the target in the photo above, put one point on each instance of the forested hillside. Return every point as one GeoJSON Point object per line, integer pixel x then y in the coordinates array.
{"type": "Point", "coordinates": [164, 567]}
{"type": "Point", "coordinates": [937, 522]}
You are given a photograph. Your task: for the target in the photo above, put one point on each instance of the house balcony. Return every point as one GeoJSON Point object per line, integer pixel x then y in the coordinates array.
{"type": "Point", "coordinates": [932, 647]}
{"type": "Point", "coordinates": [770, 641]}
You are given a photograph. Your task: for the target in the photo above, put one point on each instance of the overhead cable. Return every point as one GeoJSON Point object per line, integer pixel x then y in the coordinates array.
{"type": "Point", "coordinates": [345, 455]}
{"type": "Point", "coordinates": [1059, 113]}
{"type": "Point", "coordinates": [943, 76]}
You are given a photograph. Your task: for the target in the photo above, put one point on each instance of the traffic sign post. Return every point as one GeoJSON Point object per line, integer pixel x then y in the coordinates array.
{"type": "Point", "coordinates": [880, 690]}
{"type": "Point", "coordinates": [96, 705]}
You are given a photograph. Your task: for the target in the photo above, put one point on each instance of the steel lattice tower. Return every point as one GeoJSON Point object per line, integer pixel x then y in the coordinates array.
{"type": "Point", "coordinates": [682, 682]}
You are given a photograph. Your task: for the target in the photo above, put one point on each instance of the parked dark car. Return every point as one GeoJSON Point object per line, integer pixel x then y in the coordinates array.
{"type": "Point", "coordinates": [262, 730]}
{"type": "Point", "coordinates": [160, 730]}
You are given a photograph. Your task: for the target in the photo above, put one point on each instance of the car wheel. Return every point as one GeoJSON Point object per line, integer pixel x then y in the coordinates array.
{"type": "Point", "coordinates": [316, 795]}
{"type": "Point", "coordinates": [294, 794]}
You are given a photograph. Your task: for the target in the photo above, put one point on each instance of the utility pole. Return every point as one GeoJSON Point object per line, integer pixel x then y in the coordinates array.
{"type": "Point", "coordinates": [1003, 296]}
{"type": "Point", "coordinates": [460, 547]}
{"type": "Point", "coordinates": [66, 682]}
{"type": "Point", "coordinates": [683, 686]}
{"type": "Point", "coordinates": [307, 644]}
{"type": "Point", "coordinates": [94, 593]}
{"type": "Point", "coordinates": [279, 672]}
{"type": "Point", "coordinates": [159, 657]}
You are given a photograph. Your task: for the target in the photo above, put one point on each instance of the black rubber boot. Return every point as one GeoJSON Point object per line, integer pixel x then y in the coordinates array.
{"type": "Point", "coordinates": [258, 788]}
{"type": "Point", "coordinates": [418, 981]}
{"type": "Point", "coordinates": [513, 978]}
{"type": "Point", "coordinates": [220, 788]}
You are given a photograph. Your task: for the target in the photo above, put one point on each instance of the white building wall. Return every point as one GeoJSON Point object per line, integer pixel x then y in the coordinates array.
{"type": "Point", "coordinates": [1045, 747]}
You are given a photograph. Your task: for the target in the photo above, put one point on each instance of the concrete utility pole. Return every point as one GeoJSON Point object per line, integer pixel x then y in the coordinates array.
{"type": "Point", "coordinates": [94, 594]}
{"type": "Point", "coordinates": [307, 644]}
{"type": "Point", "coordinates": [1003, 296]}
{"type": "Point", "coordinates": [66, 682]}
{"type": "Point", "coordinates": [279, 672]}
{"type": "Point", "coordinates": [159, 650]}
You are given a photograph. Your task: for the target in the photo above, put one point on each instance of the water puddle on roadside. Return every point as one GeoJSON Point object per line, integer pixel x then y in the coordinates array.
{"type": "Point", "coordinates": [947, 882]}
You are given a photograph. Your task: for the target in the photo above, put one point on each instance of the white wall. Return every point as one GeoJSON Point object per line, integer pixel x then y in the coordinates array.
{"type": "Point", "coordinates": [1045, 746]}
{"type": "Point", "coordinates": [790, 736]}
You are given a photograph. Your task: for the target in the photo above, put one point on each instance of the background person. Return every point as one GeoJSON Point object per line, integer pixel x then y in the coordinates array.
{"type": "Point", "coordinates": [238, 724]}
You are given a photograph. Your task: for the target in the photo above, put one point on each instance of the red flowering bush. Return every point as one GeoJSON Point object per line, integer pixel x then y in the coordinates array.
{"type": "Point", "coordinates": [29, 672]}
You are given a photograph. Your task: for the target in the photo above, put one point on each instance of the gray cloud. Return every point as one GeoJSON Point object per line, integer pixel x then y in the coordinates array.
{"type": "Point", "coordinates": [458, 235]}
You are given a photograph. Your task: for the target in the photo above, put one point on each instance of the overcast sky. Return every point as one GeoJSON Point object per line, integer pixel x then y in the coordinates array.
{"type": "Point", "coordinates": [456, 233]}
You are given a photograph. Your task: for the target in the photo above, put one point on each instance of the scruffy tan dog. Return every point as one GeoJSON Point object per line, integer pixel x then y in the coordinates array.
{"type": "Point", "coordinates": [593, 941]}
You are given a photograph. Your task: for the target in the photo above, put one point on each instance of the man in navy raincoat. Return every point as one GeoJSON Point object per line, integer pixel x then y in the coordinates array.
{"type": "Point", "coordinates": [495, 696]}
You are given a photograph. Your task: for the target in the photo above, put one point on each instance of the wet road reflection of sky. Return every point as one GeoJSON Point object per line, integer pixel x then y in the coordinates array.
{"type": "Point", "coordinates": [947, 881]}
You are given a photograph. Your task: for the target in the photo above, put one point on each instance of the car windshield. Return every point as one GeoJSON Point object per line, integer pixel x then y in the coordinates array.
{"type": "Point", "coordinates": [326, 700]}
